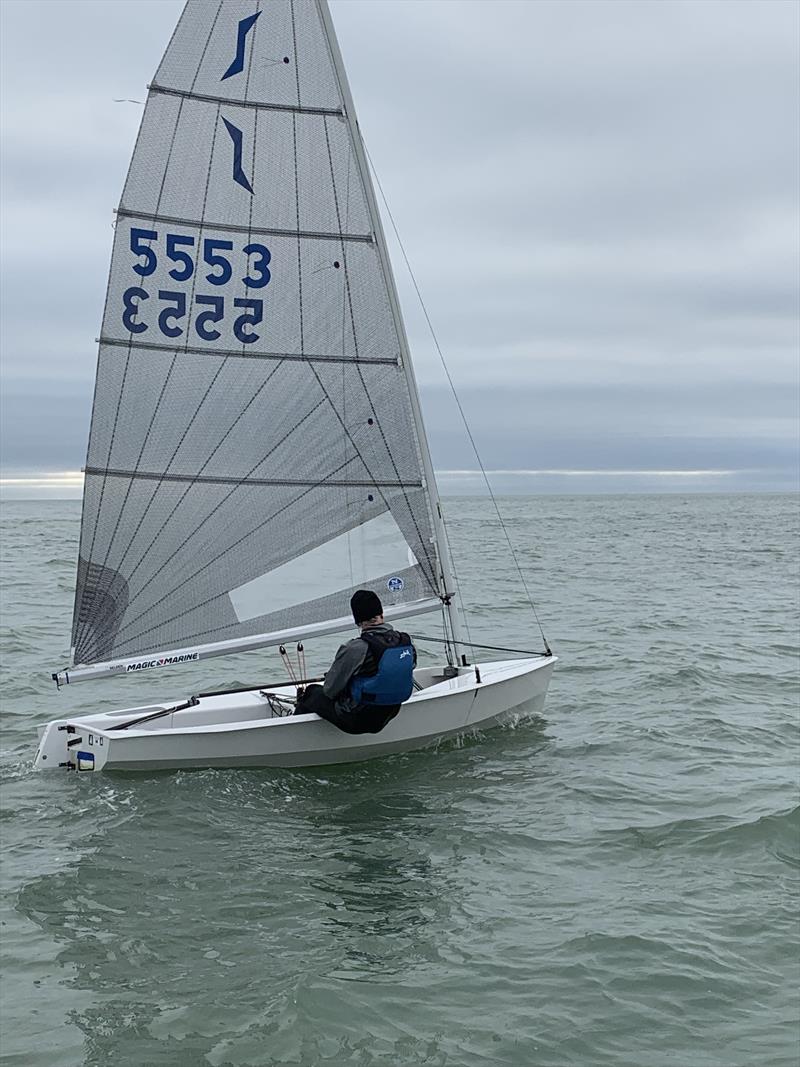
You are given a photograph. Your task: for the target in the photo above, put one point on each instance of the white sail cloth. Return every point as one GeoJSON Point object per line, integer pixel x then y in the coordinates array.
{"type": "Point", "coordinates": [251, 405]}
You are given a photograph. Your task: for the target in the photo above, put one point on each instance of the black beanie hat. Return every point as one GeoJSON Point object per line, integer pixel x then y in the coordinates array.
{"type": "Point", "coordinates": [364, 605]}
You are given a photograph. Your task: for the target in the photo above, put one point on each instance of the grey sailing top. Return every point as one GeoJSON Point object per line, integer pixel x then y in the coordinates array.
{"type": "Point", "coordinates": [347, 663]}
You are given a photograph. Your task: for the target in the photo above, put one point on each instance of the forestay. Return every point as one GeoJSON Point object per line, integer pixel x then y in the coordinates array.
{"type": "Point", "coordinates": [255, 452]}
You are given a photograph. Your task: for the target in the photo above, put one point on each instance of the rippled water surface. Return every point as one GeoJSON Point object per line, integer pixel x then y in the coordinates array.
{"type": "Point", "coordinates": [615, 885]}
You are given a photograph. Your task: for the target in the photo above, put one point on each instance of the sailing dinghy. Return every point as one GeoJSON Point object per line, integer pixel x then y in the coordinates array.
{"type": "Point", "coordinates": [257, 450]}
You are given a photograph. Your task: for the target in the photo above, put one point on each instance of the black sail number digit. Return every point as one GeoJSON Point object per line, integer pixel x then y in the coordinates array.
{"type": "Point", "coordinates": [200, 323]}
{"type": "Point", "coordinates": [131, 309]}
{"type": "Point", "coordinates": [251, 317]}
{"type": "Point", "coordinates": [211, 255]}
{"type": "Point", "coordinates": [185, 267]}
{"type": "Point", "coordinates": [174, 313]}
{"type": "Point", "coordinates": [259, 267]}
{"type": "Point", "coordinates": [138, 237]}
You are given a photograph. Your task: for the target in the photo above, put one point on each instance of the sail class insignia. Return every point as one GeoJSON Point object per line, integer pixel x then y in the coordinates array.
{"type": "Point", "coordinates": [237, 66]}
{"type": "Point", "coordinates": [238, 173]}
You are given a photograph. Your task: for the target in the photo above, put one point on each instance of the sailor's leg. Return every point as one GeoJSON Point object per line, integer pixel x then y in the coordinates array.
{"type": "Point", "coordinates": [314, 700]}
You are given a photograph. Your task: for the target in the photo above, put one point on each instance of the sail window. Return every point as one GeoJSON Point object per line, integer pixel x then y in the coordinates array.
{"type": "Point", "coordinates": [358, 557]}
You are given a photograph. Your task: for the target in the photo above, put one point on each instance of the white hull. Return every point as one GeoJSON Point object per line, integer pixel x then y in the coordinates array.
{"type": "Point", "coordinates": [241, 729]}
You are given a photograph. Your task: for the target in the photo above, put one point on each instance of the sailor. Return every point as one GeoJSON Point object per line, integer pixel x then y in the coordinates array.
{"type": "Point", "coordinates": [370, 676]}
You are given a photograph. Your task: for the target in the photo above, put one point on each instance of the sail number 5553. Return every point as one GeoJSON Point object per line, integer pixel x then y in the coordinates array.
{"type": "Point", "coordinates": [180, 250]}
{"type": "Point", "coordinates": [209, 309]}
{"type": "Point", "coordinates": [173, 309]}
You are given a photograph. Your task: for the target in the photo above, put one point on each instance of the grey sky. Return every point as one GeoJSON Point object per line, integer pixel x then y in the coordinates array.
{"type": "Point", "coordinates": [600, 201]}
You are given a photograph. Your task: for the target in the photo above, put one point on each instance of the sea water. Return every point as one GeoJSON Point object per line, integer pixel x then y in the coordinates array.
{"type": "Point", "coordinates": [614, 884]}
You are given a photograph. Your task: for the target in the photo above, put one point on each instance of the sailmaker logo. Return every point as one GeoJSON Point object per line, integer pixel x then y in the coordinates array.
{"type": "Point", "coordinates": [165, 661]}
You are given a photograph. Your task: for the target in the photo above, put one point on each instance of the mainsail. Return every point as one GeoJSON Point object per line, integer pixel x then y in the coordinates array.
{"type": "Point", "coordinates": [256, 450]}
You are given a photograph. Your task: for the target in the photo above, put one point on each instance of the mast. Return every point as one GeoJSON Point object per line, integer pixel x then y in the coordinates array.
{"type": "Point", "coordinates": [448, 587]}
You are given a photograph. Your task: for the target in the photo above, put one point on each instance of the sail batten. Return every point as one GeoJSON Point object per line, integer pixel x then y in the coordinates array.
{"type": "Point", "coordinates": [228, 353]}
{"type": "Point", "coordinates": [311, 235]}
{"type": "Point", "coordinates": [252, 404]}
{"type": "Point", "coordinates": [329, 483]}
{"type": "Point", "coordinates": [255, 104]}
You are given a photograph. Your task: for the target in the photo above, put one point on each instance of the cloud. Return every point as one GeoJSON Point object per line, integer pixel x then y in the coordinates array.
{"type": "Point", "coordinates": [50, 480]}
{"type": "Point", "coordinates": [599, 200]}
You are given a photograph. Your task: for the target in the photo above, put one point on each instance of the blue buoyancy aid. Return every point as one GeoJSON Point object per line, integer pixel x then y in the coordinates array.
{"type": "Point", "coordinates": [393, 682]}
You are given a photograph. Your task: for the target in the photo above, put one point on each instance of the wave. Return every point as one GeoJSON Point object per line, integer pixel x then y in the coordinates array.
{"type": "Point", "coordinates": [777, 833]}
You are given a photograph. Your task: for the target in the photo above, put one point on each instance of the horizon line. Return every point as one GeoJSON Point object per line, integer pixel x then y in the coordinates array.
{"type": "Point", "coordinates": [597, 472]}
{"type": "Point", "coordinates": [72, 479]}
